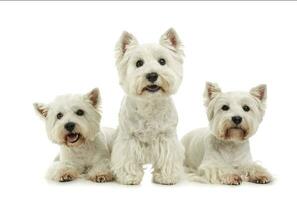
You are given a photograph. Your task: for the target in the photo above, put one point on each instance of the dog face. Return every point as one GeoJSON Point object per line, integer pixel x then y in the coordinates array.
{"type": "Point", "coordinates": [150, 70]}
{"type": "Point", "coordinates": [234, 116]}
{"type": "Point", "coordinates": [71, 119]}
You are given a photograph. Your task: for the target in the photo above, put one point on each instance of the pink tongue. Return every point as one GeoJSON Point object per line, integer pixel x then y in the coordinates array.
{"type": "Point", "coordinates": [72, 137]}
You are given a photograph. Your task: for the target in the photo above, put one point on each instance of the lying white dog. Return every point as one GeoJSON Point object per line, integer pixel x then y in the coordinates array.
{"type": "Point", "coordinates": [221, 153]}
{"type": "Point", "coordinates": [73, 122]}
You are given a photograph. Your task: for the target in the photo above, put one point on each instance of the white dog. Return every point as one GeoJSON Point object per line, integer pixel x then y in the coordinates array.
{"type": "Point", "coordinates": [73, 122]}
{"type": "Point", "coordinates": [149, 74]}
{"type": "Point", "coordinates": [221, 153]}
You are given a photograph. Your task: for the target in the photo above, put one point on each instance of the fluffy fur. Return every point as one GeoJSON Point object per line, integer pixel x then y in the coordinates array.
{"type": "Point", "coordinates": [148, 118]}
{"type": "Point", "coordinates": [221, 153]}
{"type": "Point", "coordinates": [84, 148]}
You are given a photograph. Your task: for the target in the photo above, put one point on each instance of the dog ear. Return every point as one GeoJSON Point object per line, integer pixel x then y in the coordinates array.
{"type": "Point", "coordinates": [94, 97]}
{"type": "Point", "coordinates": [211, 90]}
{"type": "Point", "coordinates": [260, 92]}
{"type": "Point", "coordinates": [126, 41]}
{"type": "Point", "coordinates": [171, 41]}
{"type": "Point", "coordinates": [41, 109]}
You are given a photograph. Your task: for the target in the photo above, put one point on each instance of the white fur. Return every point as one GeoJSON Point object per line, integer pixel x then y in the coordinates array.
{"type": "Point", "coordinates": [216, 155]}
{"type": "Point", "coordinates": [88, 156]}
{"type": "Point", "coordinates": [147, 121]}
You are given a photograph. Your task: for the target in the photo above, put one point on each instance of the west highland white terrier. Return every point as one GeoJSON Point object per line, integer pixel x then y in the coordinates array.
{"type": "Point", "coordinates": [149, 74]}
{"type": "Point", "coordinates": [73, 122]}
{"type": "Point", "coordinates": [221, 153]}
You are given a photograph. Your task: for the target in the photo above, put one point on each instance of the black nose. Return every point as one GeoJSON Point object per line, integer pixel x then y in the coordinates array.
{"type": "Point", "coordinates": [69, 126]}
{"type": "Point", "coordinates": [152, 77]}
{"type": "Point", "coordinates": [237, 119]}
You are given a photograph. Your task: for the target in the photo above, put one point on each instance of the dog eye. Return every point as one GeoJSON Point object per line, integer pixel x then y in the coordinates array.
{"type": "Point", "coordinates": [162, 61]}
{"type": "Point", "coordinates": [246, 108]}
{"type": "Point", "coordinates": [80, 112]}
{"type": "Point", "coordinates": [139, 63]}
{"type": "Point", "coordinates": [225, 107]}
{"type": "Point", "coordinates": [59, 115]}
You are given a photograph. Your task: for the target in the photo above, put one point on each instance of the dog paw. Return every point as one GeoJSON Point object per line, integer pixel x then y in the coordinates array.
{"type": "Point", "coordinates": [129, 180]}
{"type": "Point", "coordinates": [232, 180]}
{"type": "Point", "coordinates": [101, 178]}
{"type": "Point", "coordinates": [261, 179]}
{"type": "Point", "coordinates": [66, 178]}
{"type": "Point", "coordinates": [159, 179]}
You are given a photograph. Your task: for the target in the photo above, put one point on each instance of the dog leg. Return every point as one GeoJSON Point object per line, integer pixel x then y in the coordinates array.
{"type": "Point", "coordinates": [168, 155]}
{"type": "Point", "coordinates": [217, 173]}
{"type": "Point", "coordinates": [256, 174]}
{"type": "Point", "coordinates": [62, 172]}
{"type": "Point", "coordinates": [126, 163]}
{"type": "Point", "coordinates": [100, 172]}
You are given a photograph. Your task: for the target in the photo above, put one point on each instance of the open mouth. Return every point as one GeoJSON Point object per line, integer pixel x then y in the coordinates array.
{"type": "Point", "coordinates": [72, 137]}
{"type": "Point", "coordinates": [152, 88]}
{"type": "Point", "coordinates": [236, 132]}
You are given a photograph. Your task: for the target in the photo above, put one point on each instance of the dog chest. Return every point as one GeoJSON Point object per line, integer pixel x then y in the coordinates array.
{"type": "Point", "coordinates": [147, 120]}
{"type": "Point", "coordinates": [82, 155]}
{"type": "Point", "coordinates": [234, 154]}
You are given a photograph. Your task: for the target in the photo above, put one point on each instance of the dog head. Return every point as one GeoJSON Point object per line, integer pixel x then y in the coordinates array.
{"type": "Point", "coordinates": [71, 119]}
{"type": "Point", "coordinates": [150, 70]}
{"type": "Point", "coordinates": [234, 116]}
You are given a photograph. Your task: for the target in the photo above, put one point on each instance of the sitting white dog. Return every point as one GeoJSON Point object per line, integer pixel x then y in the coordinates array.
{"type": "Point", "coordinates": [73, 122]}
{"type": "Point", "coordinates": [221, 153]}
{"type": "Point", "coordinates": [149, 74]}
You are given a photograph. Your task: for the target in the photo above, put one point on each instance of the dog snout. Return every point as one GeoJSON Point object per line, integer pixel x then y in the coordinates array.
{"type": "Point", "coordinates": [237, 119]}
{"type": "Point", "coordinates": [152, 77]}
{"type": "Point", "coordinates": [69, 126]}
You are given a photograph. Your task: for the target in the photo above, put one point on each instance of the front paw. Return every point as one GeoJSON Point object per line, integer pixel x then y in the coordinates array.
{"type": "Point", "coordinates": [62, 172]}
{"type": "Point", "coordinates": [164, 180]}
{"type": "Point", "coordinates": [129, 179]}
{"type": "Point", "coordinates": [101, 178]}
{"type": "Point", "coordinates": [63, 175]}
{"type": "Point", "coordinates": [231, 179]}
{"type": "Point", "coordinates": [261, 179]}
{"type": "Point", "coordinates": [66, 177]}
